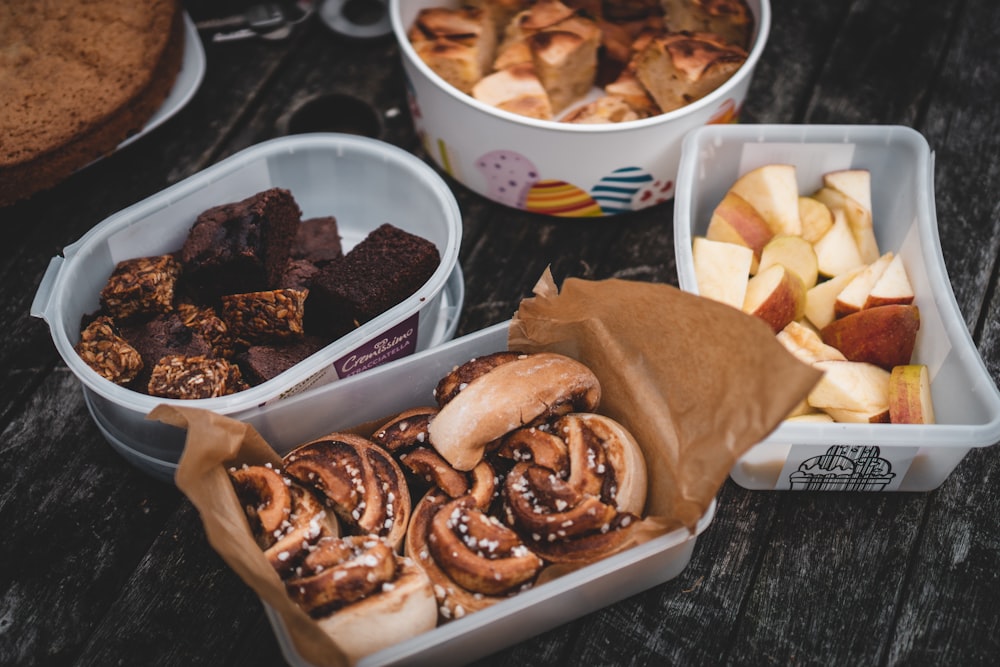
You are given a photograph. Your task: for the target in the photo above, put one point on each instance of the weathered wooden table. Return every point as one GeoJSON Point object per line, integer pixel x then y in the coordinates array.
{"type": "Point", "coordinates": [102, 565]}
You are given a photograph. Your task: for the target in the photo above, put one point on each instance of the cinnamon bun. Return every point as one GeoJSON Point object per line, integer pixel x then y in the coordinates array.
{"type": "Point", "coordinates": [513, 391]}
{"type": "Point", "coordinates": [576, 488]}
{"type": "Point", "coordinates": [358, 480]}
{"type": "Point", "coordinates": [363, 594]}
{"type": "Point", "coordinates": [285, 518]}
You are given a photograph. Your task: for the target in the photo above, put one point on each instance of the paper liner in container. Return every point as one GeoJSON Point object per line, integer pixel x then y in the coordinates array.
{"type": "Point", "coordinates": [696, 382]}
{"type": "Point", "coordinates": [856, 457]}
{"type": "Point", "coordinates": [362, 182]}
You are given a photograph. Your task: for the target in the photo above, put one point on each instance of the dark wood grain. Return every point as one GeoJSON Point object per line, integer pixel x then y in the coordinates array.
{"type": "Point", "coordinates": [103, 565]}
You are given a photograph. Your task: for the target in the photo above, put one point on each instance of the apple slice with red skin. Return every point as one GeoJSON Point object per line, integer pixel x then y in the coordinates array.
{"type": "Point", "coordinates": [855, 294]}
{"type": "Point", "coordinates": [910, 399]}
{"type": "Point", "coordinates": [884, 336]}
{"type": "Point", "coordinates": [773, 190]}
{"type": "Point", "coordinates": [893, 286]}
{"type": "Point", "coordinates": [734, 220]}
{"type": "Point", "coordinates": [776, 295]}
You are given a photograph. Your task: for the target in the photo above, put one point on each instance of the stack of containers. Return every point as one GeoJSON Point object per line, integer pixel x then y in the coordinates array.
{"type": "Point", "coordinates": [362, 182]}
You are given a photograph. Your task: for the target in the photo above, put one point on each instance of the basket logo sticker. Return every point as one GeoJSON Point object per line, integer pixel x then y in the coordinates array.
{"type": "Point", "coordinates": [398, 342]}
{"type": "Point", "coordinates": [845, 468]}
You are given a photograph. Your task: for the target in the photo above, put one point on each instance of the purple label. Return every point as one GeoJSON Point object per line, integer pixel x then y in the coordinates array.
{"type": "Point", "coordinates": [396, 343]}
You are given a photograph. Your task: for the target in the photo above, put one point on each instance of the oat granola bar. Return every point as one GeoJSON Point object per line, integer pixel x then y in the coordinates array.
{"type": "Point", "coordinates": [140, 286]}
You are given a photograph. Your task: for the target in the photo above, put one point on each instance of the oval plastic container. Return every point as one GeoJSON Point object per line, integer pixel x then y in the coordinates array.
{"type": "Point", "coordinates": [386, 391]}
{"type": "Point", "coordinates": [884, 457]}
{"type": "Point", "coordinates": [559, 169]}
{"type": "Point", "coordinates": [362, 182]}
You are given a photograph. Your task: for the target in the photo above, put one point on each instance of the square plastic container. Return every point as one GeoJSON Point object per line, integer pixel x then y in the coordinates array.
{"type": "Point", "coordinates": [385, 391]}
{"type": "Point", "coordinates": [362, 182]}
{"type": "Point", "coordinates": [856, 457]}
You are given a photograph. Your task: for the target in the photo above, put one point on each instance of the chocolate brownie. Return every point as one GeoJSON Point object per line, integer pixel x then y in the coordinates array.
{"type": "Point", "coordinates": [317, 240]}
{"type": "Point", "coordinates": [162, 336]}
{"type": "Point", "coordinates": [242, 246]}
{"type": "Point", "coordinates": [260, 363]}
{"type": "Point", "coordinates": [299, 274]}
{"type": "Point", "coordinates": [382, 270]}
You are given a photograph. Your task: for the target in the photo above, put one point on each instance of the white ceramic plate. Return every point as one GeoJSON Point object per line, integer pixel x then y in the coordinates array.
{"type": "Point", "coordinates": [188, 80]}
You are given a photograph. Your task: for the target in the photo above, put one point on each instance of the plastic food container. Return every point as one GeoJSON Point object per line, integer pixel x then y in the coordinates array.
{"type": "Point", "coordinates": [880, 457]}
{"type": "Point", "coordinates": [562, 169]}
{"type": "Point", "coordinates": [388, 390]}
{"type": "Point", "coordinates": [362, 182]}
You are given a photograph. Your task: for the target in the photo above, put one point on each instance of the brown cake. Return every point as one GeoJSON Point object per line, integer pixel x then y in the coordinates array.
{"type": "Point", "coordinates": [679, 68]}
{"type": "Point", "coordinates": [731, 20]}
{"type": "Point", "coordinates": [77, 79]}
{"type": "Point", "coordinates": [516, 89]}
{"type": "Point", "coordinates": [650, 56]}
{"type": "Point", "coordinates": [317, 241]}
{"type": "Point", "coordinates": [162, 336]}
{"type": "Point", "coordinates": [260, 363]}
{"type": "Point", "coordinates": [382, 270]}
{"type": "Point", "coordinates": [242, 246]}
{"type": "Point", "coordinates": [458, 44]}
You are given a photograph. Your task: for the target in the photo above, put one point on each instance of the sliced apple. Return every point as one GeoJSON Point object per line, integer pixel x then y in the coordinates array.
{"type": "Point", "coordinates": [892, 287]}
{"type": "Point", "coordinates": [855, 294]}
{"type": "Point", "coordinates": [820, 300]}
{"type": "Point", "coordinates": [883, 336]}
{"type": "Point", "coordinates": [878, 415]}
{"type": "Point", "coordinates": [815, 217]}
{"type": "Point", "coordinates": [837, 251]}
{"type": "Point", "coordinates": [810, 418]}
{"type": "Point", "coordinates": [774, 191]}
{"type": "Point", "coordinates": [776, 295]}
{"type": "Point", "coordinates": [807, 345]}
{"type": "Point", "coordinates": [793, 252]}
{"type": "Point", "coordinates": [722, 270]}
{"type": "Point", "coordinates": [802, 409]}
{"type": "Point", "coordinates": [855, 183]}
{"type": "Point", "coordinates": [736, 221]}
{"type": "Point", "coordinates": [910, 399]}
{"type": "Point", "coordinates": [859, 220]}
{"type": "Point", "coordinates": [851, 385]}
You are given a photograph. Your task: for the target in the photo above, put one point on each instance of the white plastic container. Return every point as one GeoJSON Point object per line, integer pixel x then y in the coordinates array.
{"type": "Point", "coordinates": [385, 391]}
{"type": "Point", "coordinates": [553, 168]}
{"type": "Point", "coordinates": [884, 457]}
{"type": "Point", "coordinates": [362, 182]}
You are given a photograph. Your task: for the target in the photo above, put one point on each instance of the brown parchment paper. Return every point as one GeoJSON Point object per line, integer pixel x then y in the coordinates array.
{"type": "Point", "coordinates": [696, 382]}
{"type": "Point", "coordinates": [213, 444]}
